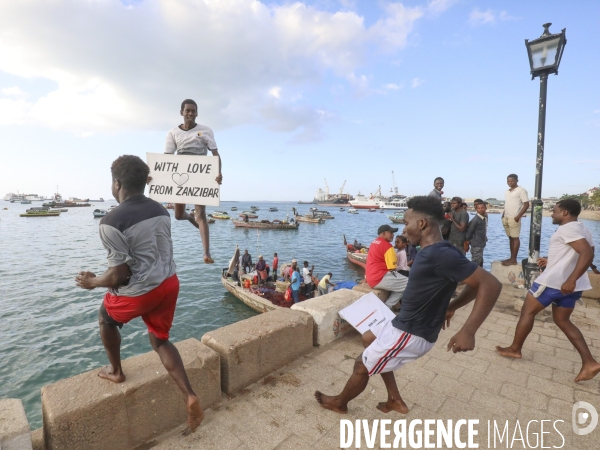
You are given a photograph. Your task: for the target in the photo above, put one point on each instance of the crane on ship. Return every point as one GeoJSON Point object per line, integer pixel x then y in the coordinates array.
{"type": "Point", "coordinates": [326, 188]}
{"type": "Point", "coordinates": [342, 188]}
{"type": "Point", "coordinates": [395, 191]}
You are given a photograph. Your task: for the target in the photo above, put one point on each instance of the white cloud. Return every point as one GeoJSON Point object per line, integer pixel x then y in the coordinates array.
{"type": "Point", "coordinates": [439, 6]}
{"type": "Point", "coordinates": [416, 82]}
{"type": "Point", "coordinates": [128, 66]}
{"type": "Point", "coordinates": [13, 91]}
{"type": "Point", "coordinates": [478, 17]}
{"type": "Point", "coordinates": [392, 87]}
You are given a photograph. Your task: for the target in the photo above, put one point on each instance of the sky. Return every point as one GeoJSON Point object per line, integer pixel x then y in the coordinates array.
{"type": "Point", "coordinates": [298, 93]}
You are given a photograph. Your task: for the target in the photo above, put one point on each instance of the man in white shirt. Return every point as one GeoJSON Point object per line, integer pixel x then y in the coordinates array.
{"type": "Point", "coordinates": [516, 203]}
{"type": "Point", "coordinates": [307, 275]}
{"type": "Point", "coordinates": [570, 253]}
{"type": "Point", "coordinates": [191, 138]}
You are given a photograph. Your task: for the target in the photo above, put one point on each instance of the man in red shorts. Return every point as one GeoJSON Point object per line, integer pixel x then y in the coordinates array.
{"type": "Point", "coordinates": [140, 278]}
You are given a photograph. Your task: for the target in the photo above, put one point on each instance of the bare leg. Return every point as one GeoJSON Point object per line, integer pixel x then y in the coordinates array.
{"type": "Point", "coordinates": [171, 359]}
{"type": "Point", "coordinates": [394, 401]}
{"type": "Point", "coordinates": [202, 225]}
{"type": "Point", "coordinates": [530, 309]}
{"type": "Point", "coordinates": [589, 366]}
{"type": "Point", "coordinates": [180, 214]}
{"type": "Point", "coordinates": [356, 384]}
{"type": "Point", "coordinates": [111, 338]}
{"type": "Point", "coordinates": [515, 244]}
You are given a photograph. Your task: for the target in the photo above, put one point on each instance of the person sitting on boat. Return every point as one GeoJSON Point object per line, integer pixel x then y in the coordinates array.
{"type": "Point", "coordinates": [261, 268]}
{"type": "Point", "coordinates": [325, 283]}
{"type": "Point", "coordinates": [246, 261]}
{"type": "Point", "coordinates": [357, 245]}
{"type": "Point", "coordinates": [381, 266]}
{"type": "Point", "coordinates": [191, 138]}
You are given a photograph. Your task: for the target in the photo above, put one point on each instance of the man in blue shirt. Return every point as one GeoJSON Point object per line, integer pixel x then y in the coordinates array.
{"type": "Point", "coordinates": [295, 279]}
{"type": "Point", "coordinates": [426, 309]}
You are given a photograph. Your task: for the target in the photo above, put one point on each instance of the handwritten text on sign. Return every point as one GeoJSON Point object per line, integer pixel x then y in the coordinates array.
{"type": "Point", "coordinates": [184, 179]}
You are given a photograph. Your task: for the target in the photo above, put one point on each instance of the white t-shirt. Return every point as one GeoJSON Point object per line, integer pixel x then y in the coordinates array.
{"type": "Point", "coordinates": [514, 200]}
{"type": "Point", "coordinates": [402, 261]}
{"type": "Point", "coordinates": [562, 258]}
{"type": "Point", "coordinates": [196, 141]}
{"type": "Point", "coordinates": [306, 275]}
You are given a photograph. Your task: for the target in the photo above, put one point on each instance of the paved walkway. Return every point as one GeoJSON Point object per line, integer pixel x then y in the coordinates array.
{"type": "Point", "coordinates": [279, 411]}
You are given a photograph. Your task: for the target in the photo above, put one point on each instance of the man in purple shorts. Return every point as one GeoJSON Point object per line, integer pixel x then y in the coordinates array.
{"type": "Point", "coordinates": [437, 269]}
{"type": "Point", "coordinates": [570, 253]}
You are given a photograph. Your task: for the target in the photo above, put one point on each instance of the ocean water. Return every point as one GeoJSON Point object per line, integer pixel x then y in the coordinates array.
{"type": "Point", "coordinates": [49, 326]}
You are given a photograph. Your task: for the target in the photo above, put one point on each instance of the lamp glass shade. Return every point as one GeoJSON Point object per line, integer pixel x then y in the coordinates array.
{"type": "Point", "coordinates": [544, 54]}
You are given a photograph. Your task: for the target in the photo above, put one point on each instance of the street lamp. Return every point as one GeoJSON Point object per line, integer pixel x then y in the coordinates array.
{"type": "Point", "coordinates": [545, 54]}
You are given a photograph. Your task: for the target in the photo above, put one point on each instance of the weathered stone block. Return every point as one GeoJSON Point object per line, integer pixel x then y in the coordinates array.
{"type": "Point", "coordinates": [37, 439]}
{"type": "Point", "coordinates": [255, 347]}
{"type": "Point", "coordinates": [85, 412]}
{"type": "Point", "coordinates": [365, 289]}
{"type": "Point", "coordinates": [508, 274]}
{"type": "Point", "coordinates": [14, 428]}
{"type": "Point", "coordinates": [324, 310]}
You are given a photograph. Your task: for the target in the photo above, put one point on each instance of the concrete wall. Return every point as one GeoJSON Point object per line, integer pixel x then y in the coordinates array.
{"type": "Point", "coordinates": [365, 289]}
{"type": "Point", "coordinates": [514, 275]}
{"type": "Point", "coordinates": [86, 412]}
{"type": "Point", "coordinates": [253, 348]}
{"type": "Point", "coordinates": [324, 310]}
{"type": "Point", "coordinates": [14, 428]}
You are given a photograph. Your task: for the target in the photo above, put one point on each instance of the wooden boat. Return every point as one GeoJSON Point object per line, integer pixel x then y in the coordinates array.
{"type": "Point", "coordinates": [323, 214]}
{"type": "Point", "coordinates": [60, 209]}
{"type": "Point", "coordinates": [307, 219]}
{"type": "Point", "coordinates": [40, 212]}
{"type": "Point", "coordinates": [250, 214]}
{"type": "Point", "coordinates": [249, 298]}
{"type": "Point", "coordinates": [265, 224]}
{"type": "Point", "coordinates": [398, 217]}
{"type": "Point", "coordinates": [220, 215]}
{"type": "Point", "coordinates": [273, 209]}
{"type": "Point", "coordinates": [99, 213]}
{"type": "Point", "coordinates": [360, 259]}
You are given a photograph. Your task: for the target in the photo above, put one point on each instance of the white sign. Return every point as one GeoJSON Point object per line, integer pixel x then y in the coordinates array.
{"type": "Point", "coordinates": [184, 179]}
{"type": "Point", "coordinates": [367, 313]}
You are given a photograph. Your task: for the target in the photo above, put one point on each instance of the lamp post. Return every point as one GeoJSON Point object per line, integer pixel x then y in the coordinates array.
{"type": "Point", "coordinates": [545, 54]}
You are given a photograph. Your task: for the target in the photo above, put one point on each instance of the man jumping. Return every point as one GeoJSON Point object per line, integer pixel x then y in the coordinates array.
{"type": "Point", "coordinates": [570, 252]}
{"type": "Point", "coordinates": [437, 269]}
{"type": "Point", "coordinates": [140, 276]}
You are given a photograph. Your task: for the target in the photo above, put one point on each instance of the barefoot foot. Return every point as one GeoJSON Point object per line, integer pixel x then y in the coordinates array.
{"type": "Point", "coordinates": [208, 260]}
{"type": "Point", "coordinates": [508, 352]}
{"type": "Point", "coordinates": [330, 403]}
{"type": "Point", "coordinates": [509, 262]}
{"type": "Point", "coordinates": [393, 405]}
{"type": "Point", "coordinates": [588, 372]}
{"type": "Point", "coordinates": [107, 374]}
{"type": "Point", "coordinates": [195, 415]}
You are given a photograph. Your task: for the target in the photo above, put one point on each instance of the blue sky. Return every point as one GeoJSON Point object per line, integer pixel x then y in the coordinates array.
{"type": "Point", "coordinates": [297, 92]}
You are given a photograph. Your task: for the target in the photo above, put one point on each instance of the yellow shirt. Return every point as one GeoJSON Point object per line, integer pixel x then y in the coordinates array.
{"type": "Point", "coordinates": [323, 282]}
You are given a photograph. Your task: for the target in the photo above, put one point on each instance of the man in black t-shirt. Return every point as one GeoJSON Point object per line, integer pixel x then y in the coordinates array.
{"type": "Point", "coordinates": [426, 309]}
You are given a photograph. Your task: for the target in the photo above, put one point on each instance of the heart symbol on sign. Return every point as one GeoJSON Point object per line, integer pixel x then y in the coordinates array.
{"type": "Point", "coordinates": [180, 178]}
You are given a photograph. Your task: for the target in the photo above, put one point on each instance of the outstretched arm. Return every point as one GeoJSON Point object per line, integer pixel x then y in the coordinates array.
{"type": "Point", "coordinates": [485, 289]}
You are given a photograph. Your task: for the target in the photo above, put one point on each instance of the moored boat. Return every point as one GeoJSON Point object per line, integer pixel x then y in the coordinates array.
{"type": "Point", "coordinates": [307, 219]}
{"type": "Point", "coordinates": [99, 213]}
{"type": "Point", "coordinates": [251, 299]}
{"type": "Point", "coordinates": [40, 212]}
{"type": "Point", "coordinates": [254, 208]}
{"type": "Point", "coordinates": [250, 214]}
{"type": "Point", "coordinates": [322, 214]}
{"type": "Point", "coordinates": [220, 215]}
{"type": "Point", "coordinates": [273, 209]}
{"type": "Point", "coordinates": [100, 200]}
{"type": "Point", "coordinates": [397, 217]}
{"type": "Point", "coordinates": [353, 211]}
{"type": "Point", "coordinates": [356, 253]}
{"type": "Point", "coordinates": [265, 224]}
{"type": "Point", "coordinates": [210, 220]}
{"type": "Point", "coordinates": [234, 208]}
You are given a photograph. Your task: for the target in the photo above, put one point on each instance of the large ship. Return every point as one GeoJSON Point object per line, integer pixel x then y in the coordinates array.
{"type": "Point", "coordinates": [34, 198]}
{"type": "Point", "coordinates": [371, 202]}
{"type": "Point", "coordinates": [323, 197]}
{"type": "Point", "coordinates": [12, 197]}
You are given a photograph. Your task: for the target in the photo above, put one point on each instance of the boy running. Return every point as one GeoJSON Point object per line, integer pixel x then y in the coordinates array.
{"type": "Point", "coordinates": [191, 138]}
{"type": "Point", "coordinates": [426, 305]}
{"type": "Point", "coordinates": [570, 252]}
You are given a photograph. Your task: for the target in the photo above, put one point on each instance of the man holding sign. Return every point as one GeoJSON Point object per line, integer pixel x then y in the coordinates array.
{"type": "Point", "coordinates": [191, 138]}
{"type": "Point", "coordinates": [426, 305]}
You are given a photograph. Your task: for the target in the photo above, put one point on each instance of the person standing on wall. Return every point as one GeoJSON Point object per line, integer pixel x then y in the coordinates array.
{"type": "Point", "coordinates": [516, 203]}
{"type": "Point", "coordinates": [140, 277]}
{"type": "Point", "coordinates": [460, 221]}
{"type": "Point", "coordinates": [191, 138]}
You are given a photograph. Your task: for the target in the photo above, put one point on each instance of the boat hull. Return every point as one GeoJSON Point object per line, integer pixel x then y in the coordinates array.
{"type": "Point", "coordinates": [360, 259]}
{"type": "Point", "coordinates": [251, 300]}
{"type": "Point", "coordinates": [268, 226]}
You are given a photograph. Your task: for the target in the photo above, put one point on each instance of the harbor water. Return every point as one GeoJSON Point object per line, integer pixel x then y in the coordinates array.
{"type": "Point", "coordinates": [49, 326]}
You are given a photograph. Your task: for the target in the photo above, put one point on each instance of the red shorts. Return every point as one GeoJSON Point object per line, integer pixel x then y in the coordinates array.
{"type": "Point", "coordinates": [156, 308]}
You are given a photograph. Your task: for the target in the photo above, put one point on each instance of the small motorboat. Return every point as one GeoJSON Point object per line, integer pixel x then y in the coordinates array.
{"type": "Point", "coordinates": [372, 210]}
{"type": "Point", "coordinates": [353, 211]}
{"type": "Point", "coordinates": [273, 209]}
{"type": "Point", "coordinates": [99, 213]}
{"type": "Point", "coordinates": [254, 208]}
{"type": "Point", "coordinates": [220, 215]}
{"type": "Point", "coordinates": [210, 220]}
{"type": "Point", "coordinates": [234, 208]}
{"type": "Point", "coordinates": [312, 209]}
{"type": "Point", "coordinates": [342, 209]}
{"type": "Point", "coordinates": [250, 214]}
{"type": "Point", "coordinates": [397, 217]}
{"type": "Point", "coordinates": [40, 212]}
